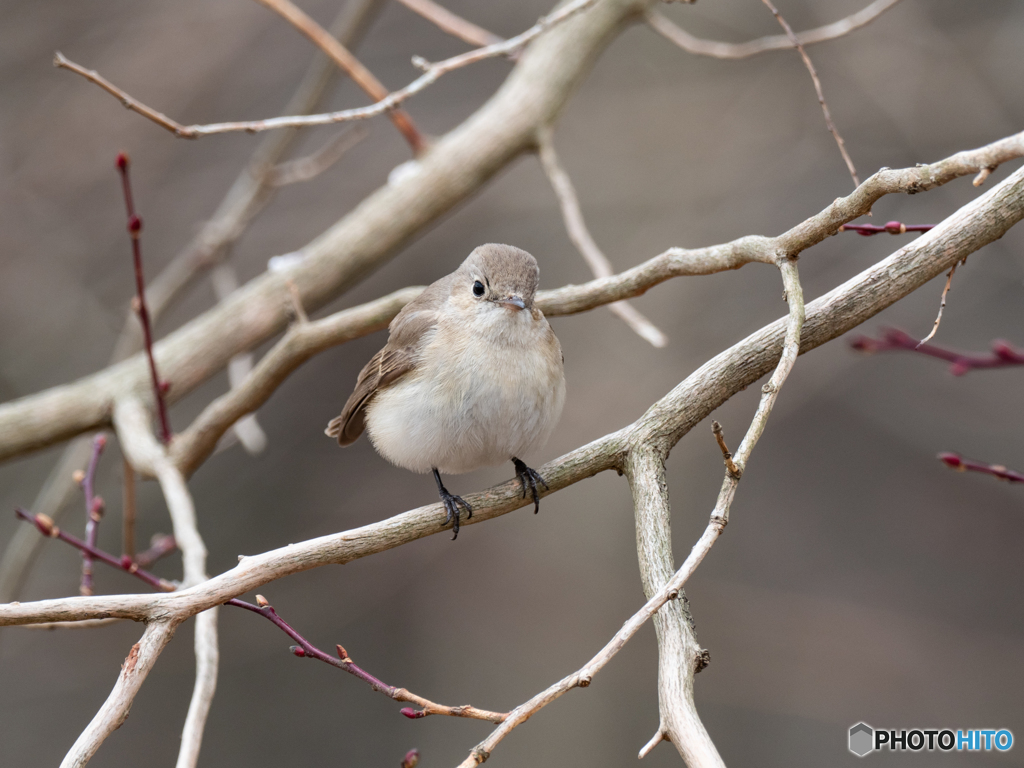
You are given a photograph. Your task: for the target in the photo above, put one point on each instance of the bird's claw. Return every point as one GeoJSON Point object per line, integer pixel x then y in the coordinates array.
{"type": "Point", "coordinates": [530, 478]}
{"type": "Point", "coordinates": [451, 504]}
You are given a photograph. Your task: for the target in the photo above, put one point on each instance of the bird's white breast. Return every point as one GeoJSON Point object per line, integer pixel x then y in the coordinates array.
{"type": "Point", "coordinates": [482, 392]}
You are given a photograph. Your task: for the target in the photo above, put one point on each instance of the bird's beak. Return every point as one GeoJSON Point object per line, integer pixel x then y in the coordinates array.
{"type": "Point", "coordinates": [512, 301]}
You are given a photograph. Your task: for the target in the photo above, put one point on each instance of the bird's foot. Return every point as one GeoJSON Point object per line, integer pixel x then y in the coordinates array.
{"type": "Point", "coordinates": [451, 504]}
{"type": "Point", "coordinates": [529, 478]}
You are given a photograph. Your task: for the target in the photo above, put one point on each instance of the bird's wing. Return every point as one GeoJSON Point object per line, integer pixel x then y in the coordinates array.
{"type": "Point", "coordinates": [398, 358]}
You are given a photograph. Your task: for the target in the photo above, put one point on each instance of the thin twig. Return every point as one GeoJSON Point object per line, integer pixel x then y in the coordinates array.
{"type": "Point", "coordinates": [576, 226]}
{"type": "Point", "coordinates": [432, 73]}
{"type": "Point", "coordinates": [47, 527]}
{"type": "Point", "coordinates": [720, 50]}
{"type": "Point", "coordinates": [309, 167]}
{"type": "Point", "coordinates": [892, 227]}
{"type": "Point", "coordinates": [960, 464]}
{"type": "Point", "coordinates": [730, 465]}
{"type": "Point", "coordinates": [582, 677]}
{"type": "Point", "coordinates": [942, 306]}
{"type": "Point", "coordinates": [246, 197]}
{"type": "Point", "coordinates": [128, 510]}
{"type": "Point", "coordinates": [247, 429]}
{"type": "Point", "coordinates": [1004, 354]}
{"type": "Point", "coordinates": [817, 89]}
{"type": "Point", "coordinates": [451, 23]}
{"type": "Point", "coordinates": [134, 230]}
{"type": "Point", "coordinates": [341, 56]}
{"type": "Point", "coordinates": [93, 510]}
{"type": "Point", "coordinates": [307, 649]}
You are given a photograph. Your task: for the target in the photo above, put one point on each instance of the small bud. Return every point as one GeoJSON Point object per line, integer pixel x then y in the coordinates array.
{"type": "Point", "coordinates": [134, 225]}
{"type": "Point", "coordinates": [297, 650]}
{"type": "Point", "coordinates": [412, 757]}
{"type": "Point", "coordinates": [895, 228]}
{"type": "Point", "coordinates": [1004, 351]}
{"type": "Point", "coordinates": [126, 562]}
{"type": "Point", "coordinates": [45, 525]}
{"type": "Point", "coordinates": [123, 161]}
{"type": "Point", "coordinates": [165, 387]}
{"type": "Point", "coordinates": [136, 305]}
{"type": "Point", "coordinates": [78, 476]}
{"type": "Point", "coordinates": [411, 713]}
{"type": "Point", "coordinates": [953, 461]}
{"type": "Point", "coordinates": [100, 442]}
{"type": "Point", "coordinates": [261, 601]}
{"type": "Point", "coordinates": [342, 653]}
{"type": "Point", "coordinates": [96, 512]}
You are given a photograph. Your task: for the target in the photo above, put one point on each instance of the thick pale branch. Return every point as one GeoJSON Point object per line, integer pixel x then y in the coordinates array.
{"type": "Point", "coordinates": [454, 168]}
{"type": "Point", "coordinates": [665, 598]}
{"type": "Point", "coordinates": [112, 714]}
{"type": "Point", "coordinates": [976, 224]}
{"type": "Point", "coordinates": [246, 197]}
{"type": "Point", "coordinates": [720, 50]}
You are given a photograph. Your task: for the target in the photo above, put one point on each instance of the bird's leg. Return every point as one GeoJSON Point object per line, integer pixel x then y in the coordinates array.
{"type": "Point", "coordinates": [451, 504]}
{"type": "Point", "coordinates": [529, 478]}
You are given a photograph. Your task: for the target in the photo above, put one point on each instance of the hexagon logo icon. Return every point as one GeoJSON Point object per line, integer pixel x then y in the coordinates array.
{"type": "Point", "coordinates": [861, 739]}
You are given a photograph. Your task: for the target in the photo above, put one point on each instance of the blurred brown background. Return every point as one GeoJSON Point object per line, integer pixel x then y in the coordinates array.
{"type": "Point", "coordinates": [859, 579]}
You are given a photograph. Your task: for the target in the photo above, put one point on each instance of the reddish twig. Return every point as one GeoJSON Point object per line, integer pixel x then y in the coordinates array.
{"type": "Point", "coordinates": [47, 527]}
{"type": "Point", "coordinates": [1003, 354]}
{"type": "Point", "coordinates": [139, 304]}
{"type": "Point", "coordinates": [160, 546]}
{"type": "Point", "coordinates": [128, 510]}
{"type": "Point", "coordinates": [93, 509]}
{"type": "Point", "coordinates": [892, 227]}
{"type": "Point", "coordinates": [817, 89]}
{"type": "Point", "coordinates": [306, 649]}
{"type": "Point", "coordinates": [960, 464]}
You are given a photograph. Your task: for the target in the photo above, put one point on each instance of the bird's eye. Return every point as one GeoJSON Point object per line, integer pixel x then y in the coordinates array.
{"type": "Point", "coordinates": [478, 288]}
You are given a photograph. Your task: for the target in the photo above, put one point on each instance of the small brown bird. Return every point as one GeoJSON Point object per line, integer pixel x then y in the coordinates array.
{"type": "Point", "coordinates": [471, 376]}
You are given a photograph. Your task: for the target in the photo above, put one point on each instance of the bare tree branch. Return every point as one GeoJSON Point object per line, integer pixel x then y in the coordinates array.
{"type": "Point", "coordinates": [341, 56]}
{"type": "Point", "coordinates": [247, 196]}
{"type": "Point", "coordinates": [817, 89]}
{"type": "Point", "coordinates": [580, 236]}
{"type": "Point", "coordinates": [112, 714]}
{"type": "Point", "coordinates": [387, 104]}
{"type": "Point", "coordinates": [720, 50]}
{"type": "Point", "coordinates": [451, 23]}
{"type": "Point", "coordinates": [261, 308]}
{"type": "Point", "coordinates": [976, 224]}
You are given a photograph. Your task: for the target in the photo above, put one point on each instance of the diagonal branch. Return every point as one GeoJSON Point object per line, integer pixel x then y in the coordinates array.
{"type": "Point", "coordinates": [114, 711]}
{"type": "Point", "coordinates": [720, 50]}
{"type": "Point", "coordinates": [341, 56]}
{"type": "Point", "coordinates": [978, 223]}
{"type": "Point", "coordinates": [451, 23]}
{"type": "Point", "coordinates": [249, 193]}
{"type": "Point", "coordinates": [387, 104]}
{"type": "Point", "coordinates": [817, 89]}
{"type": "Point", "coordinates": [580, 236]}
{"type": "Point", "coordinates": [197, 351]}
